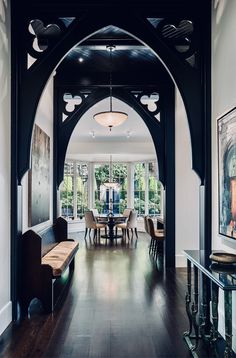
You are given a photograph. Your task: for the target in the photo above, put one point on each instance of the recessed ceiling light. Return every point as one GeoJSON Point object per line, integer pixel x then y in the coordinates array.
{"type": "Point", "coordinates": [81, 59]}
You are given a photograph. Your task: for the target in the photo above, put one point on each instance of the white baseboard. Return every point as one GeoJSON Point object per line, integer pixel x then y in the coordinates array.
{"type": "Point", "coordinates": [5, 316]}
{"type": "Point", "coordinates": [181, 261]}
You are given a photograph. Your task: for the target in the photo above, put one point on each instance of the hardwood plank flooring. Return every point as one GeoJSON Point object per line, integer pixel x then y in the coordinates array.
{"type": "Point", "coordinates": [118, 305]}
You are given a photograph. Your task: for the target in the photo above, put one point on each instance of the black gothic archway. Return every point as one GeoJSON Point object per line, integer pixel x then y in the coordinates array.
{"type": "Point", "coordinates": [28, 84]}
{"type": "Point", "coordinates": [187, 79]}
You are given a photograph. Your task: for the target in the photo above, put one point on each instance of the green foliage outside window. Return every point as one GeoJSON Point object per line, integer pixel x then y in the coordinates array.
{"type": "Point", "coordinates": [82, 189]}
{"type": "Point", "coordinates": [67, 191]}
{"type": "Point", "coordinates": [139, 188]}
{"type": "Point", "coordinates": [101, 175]}
{"type": "Point", "coordinates": [119, 174]}
{"type": "Point", "coordinates": [154, 191]}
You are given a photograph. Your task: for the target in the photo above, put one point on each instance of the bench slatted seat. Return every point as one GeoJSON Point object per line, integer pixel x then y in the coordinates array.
{"type": "Point", "coordinates": [60, 256]}
{"type": "Point", "coordinates": [45, 257]}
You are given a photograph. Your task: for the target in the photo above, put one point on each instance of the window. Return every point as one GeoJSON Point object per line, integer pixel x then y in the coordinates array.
{"type": "Point", "coordinates": [146, 197]}
{"type": "Point", "coordinates": [154, 190]}
{"type": "Point", "coordinates": [120, 194]}
{"type": "Point", "coordinates": [67, 192]}
{"type": "Point", "coordinates": [139, 188]}
{"type": "Point", "coordinates": [147, 189]}
{"type": "Point", "coordinates": [82, 189]}
{"type": "Point", "coordinates": [101, 174]}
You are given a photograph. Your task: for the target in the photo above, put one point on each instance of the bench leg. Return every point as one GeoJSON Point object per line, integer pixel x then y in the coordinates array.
{"type": "Point", "coordinates": [24, 306]}
{"type": "Point", "coordinates": [72, 265]}
{"type": "Point", "coordinates": [46, 295]}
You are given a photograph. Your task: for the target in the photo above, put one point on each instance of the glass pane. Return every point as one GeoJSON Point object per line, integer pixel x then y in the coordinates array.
{"type": "Point", "coordinates": [139, 176]}
{"type": "Point", "coordinates": [82, 188]}
{"type": "Point", "coordinates": [139, 188]}
{"type": "Point", "coordinates": [118, 195]}
{"type": "Point", "coordinates": [101, 173]}
{"type": "Point", "coordinates": [67, 191]}
{"type": "Point", "coordinates": [154, 194]}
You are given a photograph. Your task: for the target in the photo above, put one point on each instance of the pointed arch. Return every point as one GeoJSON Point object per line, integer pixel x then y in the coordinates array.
{"type": "Point", "coordinates": [186, 78]}
{"type": "Point", "coordinates": [65, 131]}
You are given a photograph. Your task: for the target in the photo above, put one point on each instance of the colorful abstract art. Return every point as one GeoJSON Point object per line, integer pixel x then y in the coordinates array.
{"type": "Point", "coordinates": [227, 173]}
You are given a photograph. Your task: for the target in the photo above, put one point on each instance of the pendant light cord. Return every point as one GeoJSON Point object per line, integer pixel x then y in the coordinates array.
{"type": "Point", "coordinates": [110, 170]}
{"type": "Point", "coordinates": [111, 48]}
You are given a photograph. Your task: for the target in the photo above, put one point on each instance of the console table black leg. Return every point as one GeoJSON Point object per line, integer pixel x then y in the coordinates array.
{"type": "Point", "coordinates": [188, 297]}
{"type": "Point", "coordinates": [195, 307]}
{"type": "Point", "coordinates": [228, 323]}
{"type": "Point", "coordinates": [203, 307]}
{"type": "Point", "coordinates": [214, 310]}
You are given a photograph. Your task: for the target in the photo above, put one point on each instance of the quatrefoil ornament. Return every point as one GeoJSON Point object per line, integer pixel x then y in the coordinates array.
{"type": "Point", "coordinates": [71, 102]}
{"type": "Point", "coordinates": [150, 101]}
{"type": "Point", "coordinates": [43, 34]}
{"type": "Point", "coordinates": [181, 33]}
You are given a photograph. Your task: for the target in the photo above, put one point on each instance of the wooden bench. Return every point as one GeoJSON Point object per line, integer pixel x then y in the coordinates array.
{"type": "Point", "coordinates": [45, 257]}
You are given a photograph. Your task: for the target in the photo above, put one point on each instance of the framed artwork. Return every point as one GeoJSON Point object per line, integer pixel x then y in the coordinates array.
{"type": "Point", "coordinates": [227, 173]}
{"type": "Point", "coordinates": [39, 178]}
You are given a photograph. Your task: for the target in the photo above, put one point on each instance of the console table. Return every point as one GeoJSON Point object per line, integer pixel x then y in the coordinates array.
{"type": "Point", "coordinates": [219, 276]}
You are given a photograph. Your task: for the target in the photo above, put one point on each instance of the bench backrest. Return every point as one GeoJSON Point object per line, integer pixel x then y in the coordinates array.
{"type": "Point", "coordinates": [50, 236]}
{"type": "Point", "coordinates": [48, 239]}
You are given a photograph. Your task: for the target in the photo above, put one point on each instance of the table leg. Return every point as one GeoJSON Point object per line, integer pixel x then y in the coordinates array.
{"type": "Point", "coordinates": [188, 297]}
{"type": "Point", "coordinates": [203, 306]}
{"type": "Point", "coordinates": [228, 323]}
{"type": "Point", "coordinates": [195, 307]}
{"type": "Point", "coordinates": [214, 313]}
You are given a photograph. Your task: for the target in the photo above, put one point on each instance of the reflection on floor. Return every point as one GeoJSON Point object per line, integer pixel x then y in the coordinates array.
{"type": "Point", "coordinates": [118, 305]}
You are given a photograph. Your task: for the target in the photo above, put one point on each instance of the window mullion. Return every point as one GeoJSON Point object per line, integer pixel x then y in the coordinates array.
{"type": "Point", "coordinates": [146, 187]}
{"type": "Point", "coordinates": [75, 181]}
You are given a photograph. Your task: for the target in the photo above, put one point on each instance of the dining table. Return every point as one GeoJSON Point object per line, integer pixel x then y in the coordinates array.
{"type": "Point", "coordinates": [111, 221]}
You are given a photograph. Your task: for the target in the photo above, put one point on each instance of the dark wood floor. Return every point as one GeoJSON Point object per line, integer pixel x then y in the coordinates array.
{"type": "Point", "coordinates": [119, 305]}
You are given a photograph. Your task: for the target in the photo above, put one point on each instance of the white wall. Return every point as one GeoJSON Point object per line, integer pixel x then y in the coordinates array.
{"type": "Point", "coordinates": [223, 99]}
{"type": "Point", "coordinates": [187, 187]}
{"type": "Point", "coordinates": [44, 119]}
{"type": "Point", "coordinates": [5, 159]}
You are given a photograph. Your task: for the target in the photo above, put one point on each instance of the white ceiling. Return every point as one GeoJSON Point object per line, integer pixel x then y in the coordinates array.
{"type": "Point", "coordinates": [130, 141]}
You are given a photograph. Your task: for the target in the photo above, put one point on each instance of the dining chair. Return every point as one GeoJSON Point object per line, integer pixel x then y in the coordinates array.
{"type": "Point", "coordinates": [131, 224]}
{"type": "Point", "coordinates": [91, 223]}
{"type": "Point", "coordinates": [95, 212]}
{"type": "Point", "coordinates": [126, 212]}
{"type": "Point", "coordinates": [157, 238]}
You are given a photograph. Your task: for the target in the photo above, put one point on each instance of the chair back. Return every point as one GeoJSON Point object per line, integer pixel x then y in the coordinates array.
{"type": "Point", "coordinates": [90, 221]}
{"type": "Point", "coordinates": [151, 227]}
{"type": "Point", "coordinates": [132, 220]}
{"type": "Point", "coordinates": [95, 212]}
{"type": "Point", "coordinates": [126, 212]}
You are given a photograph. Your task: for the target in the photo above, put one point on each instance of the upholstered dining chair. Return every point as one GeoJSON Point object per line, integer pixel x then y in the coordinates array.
{"type": "Point", "coordinates": [91, 223]}
{"type": "Point", "coordinates": [131, 224]}
{"type": "Point", "coordinates": [126, 212]}
{"type": "Point", "coordinates": [95, 212]}
{"type": "Point", "coordinates": [157, 238]}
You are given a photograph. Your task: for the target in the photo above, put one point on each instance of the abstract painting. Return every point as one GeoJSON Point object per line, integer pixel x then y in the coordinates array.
{"type": "Point", "coordinates": [39, 178]}
{"type": "Point", "coordinates": [227, 173]}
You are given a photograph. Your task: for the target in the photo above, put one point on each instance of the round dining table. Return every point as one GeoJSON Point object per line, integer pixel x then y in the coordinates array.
{"type": "Point", "coordinates": [111, 221]}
